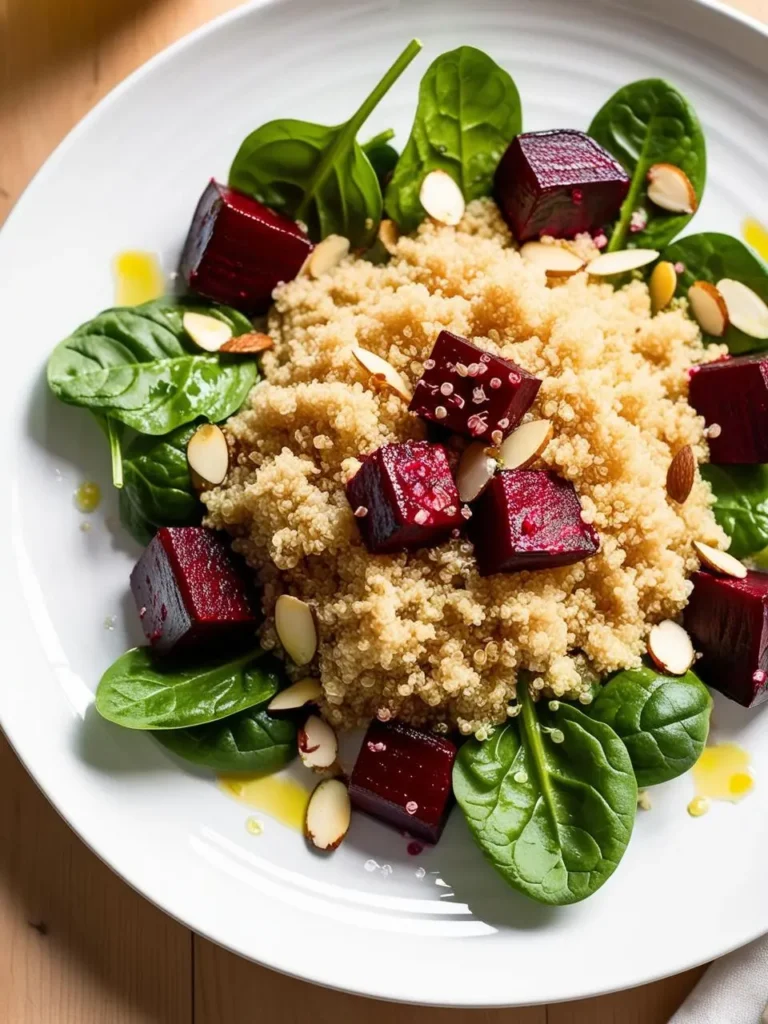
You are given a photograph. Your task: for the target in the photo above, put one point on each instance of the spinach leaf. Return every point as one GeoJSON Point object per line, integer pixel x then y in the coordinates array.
{"type": "Point", "coordinates": [741, 505]}
{"type": "Point", "coordinates": [136, 364]}
{"type": "Point", "coordinates": [553, 818]}
{"type": "Point", "coordinates": [316, 174]}
{"type": "Point", "coordinates": [711, 256]}
{"type": "Point", "coordinates": [134, 522]}
{"type": "Point", "coordinates": [140, 691]}
{"type": "Point", "coordinates": [663, 720]}
{"type": "Point", "coordinates": [645, 123]}
{"type": "Point", "coordinates": [382, 156]}
{"type": "Point", "coordinates": [250, 741]}
{"type": "Point", "coordinates": [468, 113]}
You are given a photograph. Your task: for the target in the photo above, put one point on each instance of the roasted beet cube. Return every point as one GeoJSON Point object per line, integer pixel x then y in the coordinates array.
{"type": "Point", "coordinates": [558, 183]}
{"type": "Point", "coordinates": [529, 519]}
{"type": "Point", "coordinates": [733, 393]}
{"type": "Point", "coordinates": [190, 590]}
{"type": "Point", "coordinates": [404, 497]}
{"type": "Point", "coordinates": [728, 621]}
{"type": "Point", "coordinates": [238, 250]}
{"type": "Point", "coordinates": [403, 776]}
{"type": "Point", "coordinates": [471, 391]}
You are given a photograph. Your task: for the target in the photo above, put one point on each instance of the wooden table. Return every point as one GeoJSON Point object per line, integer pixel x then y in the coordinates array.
{"type": "Point", "coordinates": [77, 946]}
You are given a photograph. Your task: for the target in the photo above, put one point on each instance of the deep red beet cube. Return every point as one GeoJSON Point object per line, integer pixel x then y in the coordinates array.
{"type": "Point", "coordinates": [403, 776]}
{"type": "Point", "coordinates": [733, 393]}
{"type": "Point", "coordinates": [728, 621]}
{"type": "Point", "coordinates": [558, 183]}
{"type": "Point", "coordinates": [529, 519]}
{"type": "Point", "coordinates": [190, 590]}
{"type": "Point", "coordinates": [238, 250]}
{"type": "Point", "coordinates": [404, 497]}
{"type": "Point", "coordinates": [471, 391]}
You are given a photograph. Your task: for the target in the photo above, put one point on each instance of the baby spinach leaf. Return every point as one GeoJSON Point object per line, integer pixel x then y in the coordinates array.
{"type": "Point", "coordinates": [711, 256]}
{"type": "Point", "coordinates": [382, 155]}
{"type": "Point", "coordinates": [134, 522]}
{"type": "Point", "coordinates": [553, 818]}
{"type": "Point", "coordinates": [468, 113]}
{"type": "Point", "coordinates": [136, 364]}
{"type": "Point", "coordinates": [316, 174]}
{"type": "Point", "coordinates": [140, 691]}
{"type": "Point", "coordinates": [741, 505]}
{"type": "Point", "coordinates": [645, 123]}
{"type": "Point", "coordinates": [663, 720]}
{"type": "Point", "coordinates": [250, 741]}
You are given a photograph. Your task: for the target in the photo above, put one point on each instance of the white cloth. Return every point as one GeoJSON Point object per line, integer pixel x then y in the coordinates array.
{"type": "Point", "coordinates": [733, 991]}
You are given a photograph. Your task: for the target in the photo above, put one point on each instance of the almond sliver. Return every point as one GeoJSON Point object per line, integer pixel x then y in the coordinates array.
{"type": "Point", "coordinates": [327, 254]}
{"type": "Point", "coordinates": [708, 308]}
{"type": "Point", "coordinates": [620, 262]}
{"type": "Point", "coordinates": [296, 630]}
{"type": "Point", "coordinates": [329, 813]}
{"type": "Point", "coordinates": [383, 372]}
{"type": "Point", "coordinates": [670, 648]}
{"type": "Point", "coordinates": [554, 259]}
{"type": "Point", "coordinates": [317, 744]}
{"type": "Point", "coordinates": [720, 561]}
{"type": "Point", "coordinates": [207, 332]}
{"type": "Point", "coordinates": [525, 444]}
{"type": "Point", "coordinates": [208, 454]}
{"type": "Point", "coordinates": [305, 691]}
{"type": "Point", "coordinates": [670, 188]}
{"type": "Point", "coordinates": [441, 197]}
{"type": "Point", "coordinates": [746, 310]}
{"type": "Point", "coordinates": [475, 472]}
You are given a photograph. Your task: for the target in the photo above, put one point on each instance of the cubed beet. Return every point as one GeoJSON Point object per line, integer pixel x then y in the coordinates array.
{"type": "Point", "coordinates": [529, 519]}
{"type": "Point", "coordinates": [238, 250]}
{"type": "Point", "coordinates": [733, 393]}
{"type": "Point", "coordinates": [471, 391]}
{"type": "Point", "coordinates": [558, 183]}
{"type": "Point", "coordinates": [190, 589]}
{"type": "Point", "coordinates": [728, 621]}
{"type": "Point", "coordinates": [403, 776]}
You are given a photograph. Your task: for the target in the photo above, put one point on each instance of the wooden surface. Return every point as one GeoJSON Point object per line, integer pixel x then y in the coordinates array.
{"type": "Point", "coordinates": [77, 946]}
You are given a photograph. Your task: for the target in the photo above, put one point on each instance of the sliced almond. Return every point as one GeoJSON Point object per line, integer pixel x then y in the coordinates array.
{"type": "Point", "coordinates": [441, 197]}
{"type": "Point", "coordinates": [327, 254]}
{"type": "Point", "coordinates": [248, 344]}
{"type": "Point", "coordinates": [383, 372]}
{"type": "Point", "coordinates": [318, 745]}
{"type": "Point", "coordinates": [621, 262]}
{"type": "Point", "coordinates": [525, 444]}
{"type": "Point", "coordinates": [296, 630]}
{"type": "Point", "coordinates": [720, 561]}
{"type": "Point", "coordinates": [298, 695]}
{"type": "Point", "coordinates": [746, 310]}
{"type": "Point", "coordinates": [670, 648]}
{"type": "Point", "coordinates": [670, 188]}
{"type": "Point", "coordinates": [554, 259]}
{"type": "Point", "coordinates": [389, 235]}
{"type": "Point", "coordinates": [709, 308]}
{"type": "Point", "coordinates": [329, 813]}
{"type": "Point", "coordinates": [475, 471]}
{"type": "Point", "coordinates": [208, 454]}
{"type": "Point", "coordinates": [681, 474]}
{"type": "Point", "coordinates": [662, 285]}
{"type": "Point", "coordinates": [207, 332]}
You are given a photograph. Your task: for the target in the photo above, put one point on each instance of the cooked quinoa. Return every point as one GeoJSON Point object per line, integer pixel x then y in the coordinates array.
{"type": "Point", "coordinates": [421, 635]}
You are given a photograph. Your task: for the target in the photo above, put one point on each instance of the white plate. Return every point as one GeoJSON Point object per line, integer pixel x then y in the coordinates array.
{"type": "Point", "coordinates": [129, 175]}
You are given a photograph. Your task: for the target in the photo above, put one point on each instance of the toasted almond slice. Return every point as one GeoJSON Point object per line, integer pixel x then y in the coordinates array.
{"type": "Point", "coordinates": [662, 285]}
{"type": "Point", "coordinates": [318, 745]}
{"type": "Point", "coordinates": [329, 813]}
{"type": "Point", "coordinates": [305, 691]}
{"type": "Point", "coordinates": [327, 254]}
{"type": "Point", "coordinates": [555, 260]}
{"type": "Point", "coordinates": [475, 472]}
{"type": "Point", "coordinates": [207, 332]}
{"type": "Point", "coordinates": [208, 454]}
{"type": "Point", "coordinates": [248, 344]}
{"type": "Point", "coordinates": [441, 197]}
{"type": "Point", "coordinates": [383, 372]}
{"type": "Point", "coordinates": [670, 188]}
{"type": "Point", "coordinates": [525, 444]}
{"type": "Point", "coordinates": [670, 648]}
{"type": "Point", "coordinates": [296, 630]}
{"type": "Point", "coordinates": [610, 263]}
{"type": "Point", "coordinates": [746, 310]}
{"type": "Point", "coordinates": [720, 561]}
{"type": "Point", "coordinates": [709, 308]}
{"type": "Point", "coordinates": [681, 474]}
{"type": "Point", "coordinates": [389, 235]}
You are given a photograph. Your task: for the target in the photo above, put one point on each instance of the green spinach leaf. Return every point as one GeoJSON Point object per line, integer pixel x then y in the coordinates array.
{"type": "Point", "coordinates": [250, 741]}
{"type": "Point", "coordinates": [741, 505]}
{"type": "Point", "coordinates": [131, 518]}
{"type": "Point", "coordinates": [468, 113]}
{"type": "Point", "coordinates": [553, 818]}
{"type": "Point", "coordinates": [140, 691]}
{"type": "Point", "coordinates": [663, 720]}
{"type": "Point", "coordinates": [136, 364]}
{"type": "Point", "coordinates": [382, 155]}
{"type": "Point", "coordinates": [711, 256]}
{"type": "Point", "coordinates": [316, 174]}
{"type": "Point", "coordinates": [645, 123]}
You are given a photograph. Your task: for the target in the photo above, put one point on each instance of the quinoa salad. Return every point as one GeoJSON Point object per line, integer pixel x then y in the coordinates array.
{"type": "Point", "coordinates": [459, 443]}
